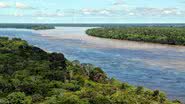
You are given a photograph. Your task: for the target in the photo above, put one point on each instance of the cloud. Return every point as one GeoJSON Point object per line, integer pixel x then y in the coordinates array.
{"type": "Point", "coordinates": [20, 5]}
{"type": "Point", "coordinates": [17, 5]}
{"type": "Point", "coordinates": [131, 14]}
{"type": "Point", "coordinates": [119, 2]}
{"type": "Point", "coordinates": [120, 5]}
{"type": "Point", "coordinates": [121, 8]}
{"type": "Point", "coordinates": [18, 14]}
{"type": "Point", "coordinates": [157, 11]}
{"type": "Point", "coordinates": [104, 12]}
{"type": "Point", "coordinates": [117, 8]}
{"type": "Point", "coordinates": [4, 5]}
{"type": "Point", "coordinates": [40, 18]}
{"type": "Point", "coordinates": [134, 11]}
{"type": "Point", "coordinates": [173, 11]}
{"type": "Point", "coordinates": [96, 12]}
{"type": "Point", "coordinates": [88, 11]}
{"type": "Point", "coordinates": [45, 14]}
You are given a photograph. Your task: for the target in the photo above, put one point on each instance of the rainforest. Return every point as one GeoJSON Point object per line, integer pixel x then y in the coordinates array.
{"type": "Point", "coordinates": [163, 35]}
{"type": "Point", "coordinates": [30, 75]}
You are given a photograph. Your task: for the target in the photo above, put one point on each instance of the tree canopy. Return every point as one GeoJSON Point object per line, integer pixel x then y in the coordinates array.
{"type": "Point", "coordinates": [29, 75]}
{"type": "Point", "coordinates": [163, 35]}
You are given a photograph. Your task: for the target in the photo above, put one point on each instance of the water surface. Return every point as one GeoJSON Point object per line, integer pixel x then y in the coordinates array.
{"type": "Point", "coordinates": [154, 66]}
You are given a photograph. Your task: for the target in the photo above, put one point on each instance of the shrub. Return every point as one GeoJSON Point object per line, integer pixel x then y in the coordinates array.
{"type": "Point", "coordinates": [18, 98]}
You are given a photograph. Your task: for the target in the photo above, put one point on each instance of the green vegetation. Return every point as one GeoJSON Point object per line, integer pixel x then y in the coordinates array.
{"type": "Point", "coordinates": [28, 26]}
{"type": "Point", "coordinates": [163, 35]}
{"type": "Point", "coordinates": [29, 75]}
{"type": "Point", "coordinates": [41, 27]}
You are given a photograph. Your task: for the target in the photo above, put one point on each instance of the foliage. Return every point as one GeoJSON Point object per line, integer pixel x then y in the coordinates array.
{"type": "Point", "coordinates": [163, 35]}
{"type": "Point", "coordinates": [29, 75]}
{"type": "Point", "coordinates": [28, 26]}
{"type": "Point", "coordinates": [18, 98]}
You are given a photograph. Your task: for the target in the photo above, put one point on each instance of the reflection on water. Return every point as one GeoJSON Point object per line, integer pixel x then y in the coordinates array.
{"type": "Point", "coordinates": [152, 65]}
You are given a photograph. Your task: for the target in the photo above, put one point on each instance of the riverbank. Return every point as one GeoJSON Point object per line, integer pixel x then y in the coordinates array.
{"type": "Point", "coordinates": [162, 35]}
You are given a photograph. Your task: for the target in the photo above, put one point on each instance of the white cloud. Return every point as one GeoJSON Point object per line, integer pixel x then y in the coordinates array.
{"type": "Point", "coordinates": [172, 11]}
{"type": "Point", "coordinates": [120, 5]}
{"type": "Point", "coordinates": [146, 11]}
{"type": "Point", "coordinates": [20, 5]}
{"type": "Point", "coordinates": [43, 14]}
{"type": "Point", "coordinates": [131, 14]}
{"type": "Point", "coordinates": [104, 12]}
{"type": "Point", "coordinates": [95, 12]}
{"type": "Point", "coordinates": [18, 14]}
{"type": "Point", "coordinates": [4, 5]}
{"type": "Point", "coordinates": [119, 2]}
{"type": "Point", "coordinates": [88, 11]}
{"type": "Point", "coordinates": [118, 8]}
{"type": "Point", "coordinates": [40, 18]}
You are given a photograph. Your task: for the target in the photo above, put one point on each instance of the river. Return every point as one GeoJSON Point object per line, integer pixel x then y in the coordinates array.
{"type": "Point", "coordinates": [154, 66]}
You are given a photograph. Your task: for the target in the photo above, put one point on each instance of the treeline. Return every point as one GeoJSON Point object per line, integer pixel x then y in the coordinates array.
{"type": "Point", "coordinates": [28, 26]}
{"type": "Point", "coordinates": [163, 35]}
{"type": "Point", "coordinates": [41, 27]}
{"type": "Point", "coordinates": [29, 75]}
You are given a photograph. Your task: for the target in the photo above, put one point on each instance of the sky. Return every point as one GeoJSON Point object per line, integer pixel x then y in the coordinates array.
{"type": "Point", "coordinates": [92, 11]}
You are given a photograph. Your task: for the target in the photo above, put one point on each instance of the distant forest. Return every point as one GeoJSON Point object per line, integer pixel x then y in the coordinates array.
{"type": "Point", "coordinates": [163, 35]}
{"type": "Point", "coordinates": [28, 25]}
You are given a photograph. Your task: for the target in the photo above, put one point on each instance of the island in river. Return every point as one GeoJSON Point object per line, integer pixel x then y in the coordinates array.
{"type": "Point", "coordinates": [29, 75]}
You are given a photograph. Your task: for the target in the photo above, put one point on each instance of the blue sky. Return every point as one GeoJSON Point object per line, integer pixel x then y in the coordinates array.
{"type": "Point", "coordinates": [92, 11]}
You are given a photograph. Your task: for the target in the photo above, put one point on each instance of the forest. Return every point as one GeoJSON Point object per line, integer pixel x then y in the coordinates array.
{"type": "Point", "coordinates": [30, 75]}
{"type": "Point", "coordinates": [28, 26]}
{"type": "Point", "coordinates": [162, 35]}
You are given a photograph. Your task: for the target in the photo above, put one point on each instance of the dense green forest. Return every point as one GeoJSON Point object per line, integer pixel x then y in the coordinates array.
{"type": "Point", "coordinates": [40, 27]}
{"type": "Point", "coordinates": [29, 75]}
{"type": "Point", "coordinates": [28, 26]}
{"type": "Point", "coordinates": [20, 25]}
{"type": "Point", "coordinates": [163, 35]}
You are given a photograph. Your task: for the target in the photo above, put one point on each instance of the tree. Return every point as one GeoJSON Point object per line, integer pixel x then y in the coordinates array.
{"type": "Point", "coordinates": [18, 98]}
